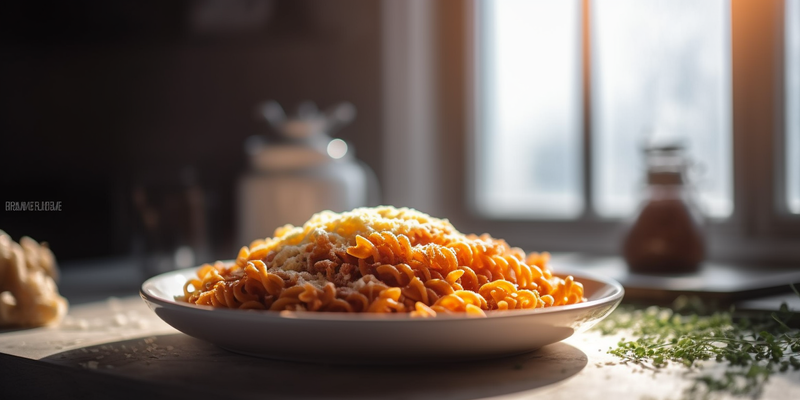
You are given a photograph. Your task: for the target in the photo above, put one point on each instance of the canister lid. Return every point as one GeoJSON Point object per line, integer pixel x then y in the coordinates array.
{"type": "Point", "coordinates": [301, 141]}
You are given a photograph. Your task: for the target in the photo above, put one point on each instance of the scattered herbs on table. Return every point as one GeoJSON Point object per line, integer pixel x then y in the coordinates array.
{"type": "Point", "coordinates": [753, 347]}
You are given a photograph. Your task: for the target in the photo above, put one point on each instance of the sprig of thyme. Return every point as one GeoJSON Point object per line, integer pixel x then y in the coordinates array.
{"type": "Point", "coordinates": [752, 348]}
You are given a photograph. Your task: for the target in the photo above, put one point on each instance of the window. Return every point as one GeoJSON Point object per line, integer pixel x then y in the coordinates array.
{"type": "Point", "coordinates": [530, 163]}
{"type": "Point", "coordinates": [792, 51]}
{"type": "Point", "coordinates": [660, 73]}
{"type": "Point", "coordinates": [535, 114]}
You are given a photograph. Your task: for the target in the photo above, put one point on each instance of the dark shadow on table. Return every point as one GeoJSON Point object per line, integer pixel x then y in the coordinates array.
{"type": "Point", "coordinates": [186, 365]}
{"type": "Point", "coordinates": [10, 329]}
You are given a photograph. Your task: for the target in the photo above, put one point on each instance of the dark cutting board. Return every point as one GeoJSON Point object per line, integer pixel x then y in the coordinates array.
{"type": "Point", "coordinates": [716, 283]}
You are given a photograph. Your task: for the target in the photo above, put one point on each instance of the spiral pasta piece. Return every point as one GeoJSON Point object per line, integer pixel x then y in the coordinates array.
{"type": "Point", "coordinates": [382, 260]}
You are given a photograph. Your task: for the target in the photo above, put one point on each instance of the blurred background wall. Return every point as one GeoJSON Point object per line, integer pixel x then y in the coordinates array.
{"type": "Point", "coordinates": [99, 100]}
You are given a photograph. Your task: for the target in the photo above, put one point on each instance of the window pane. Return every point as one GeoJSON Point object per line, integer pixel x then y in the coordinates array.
{"type": "Point", "coordinates": [660, 71]}
{"type": "Point", "coordinates": [793, 105]}
{"type": "Point", "coordinates": [528, 142]}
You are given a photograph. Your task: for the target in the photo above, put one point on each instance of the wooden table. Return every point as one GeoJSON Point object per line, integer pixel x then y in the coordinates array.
{"type": "Point", "coordinates": [118, 347]}
{"type": "Point", "coordinates": [115, 346]}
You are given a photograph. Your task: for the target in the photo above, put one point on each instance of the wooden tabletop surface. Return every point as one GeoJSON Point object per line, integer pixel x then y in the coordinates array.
{"type": "Point", "coordinates": [119, 347]}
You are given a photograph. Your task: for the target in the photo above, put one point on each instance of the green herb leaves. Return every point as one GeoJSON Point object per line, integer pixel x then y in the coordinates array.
{"type": "Point", "coordinates": [751, 348]}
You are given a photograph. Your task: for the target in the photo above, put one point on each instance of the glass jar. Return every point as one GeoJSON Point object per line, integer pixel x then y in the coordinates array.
{"type": "Point", "coordinates": [667, 234]}
{"type": "Point", "coordinates": [300, 171]}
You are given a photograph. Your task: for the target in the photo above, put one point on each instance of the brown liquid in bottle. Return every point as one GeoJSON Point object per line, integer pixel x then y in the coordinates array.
{"type": "Point", "coordinates": [667, 236]}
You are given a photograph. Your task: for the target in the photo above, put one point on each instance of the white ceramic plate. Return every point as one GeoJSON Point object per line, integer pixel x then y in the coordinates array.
{"type": "Point", "coordinates": [376, 338]}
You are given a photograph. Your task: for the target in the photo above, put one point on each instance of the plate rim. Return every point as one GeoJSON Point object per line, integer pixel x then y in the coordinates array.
{"type": "Point", "coordinates": [616, 295]}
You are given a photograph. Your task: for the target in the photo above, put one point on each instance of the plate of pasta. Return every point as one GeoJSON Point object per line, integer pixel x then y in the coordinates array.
{"type": "Point", "coordinates": [380, 285]}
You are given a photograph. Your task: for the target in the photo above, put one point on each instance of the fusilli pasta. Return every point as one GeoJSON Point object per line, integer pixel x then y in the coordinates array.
{"type": "Point", "coordinates": [381, 260]}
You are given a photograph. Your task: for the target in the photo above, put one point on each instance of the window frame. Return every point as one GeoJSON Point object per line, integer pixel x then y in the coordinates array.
{"type": "Point", "coordinates": [760, 229]}
{"type": "Point", "coordinates": [782, 116]}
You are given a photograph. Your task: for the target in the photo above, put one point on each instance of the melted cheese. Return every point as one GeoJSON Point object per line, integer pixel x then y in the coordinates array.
{"type": "Point", "coordinates": [361, 221]}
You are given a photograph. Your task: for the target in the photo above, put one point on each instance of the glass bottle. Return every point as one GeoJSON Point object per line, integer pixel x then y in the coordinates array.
{"type": "Point", "coordinates": [667, 235]}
